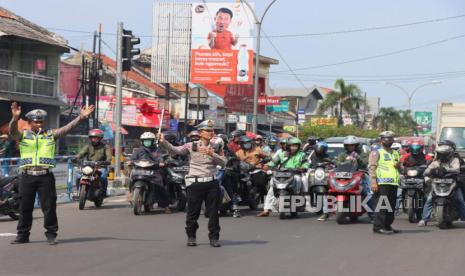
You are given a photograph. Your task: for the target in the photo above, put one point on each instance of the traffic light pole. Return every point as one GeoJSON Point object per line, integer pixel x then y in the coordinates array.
{"type": "Point", "coordinates": [119, 96]}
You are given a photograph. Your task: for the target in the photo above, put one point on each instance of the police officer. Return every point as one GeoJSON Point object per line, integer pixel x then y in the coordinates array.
{"type": "Point", "coordinates": [37, 151]}
{"type": "Point", "coordinates": [384, 165]}
{"type": "Point", "coordinates": [201, 182]}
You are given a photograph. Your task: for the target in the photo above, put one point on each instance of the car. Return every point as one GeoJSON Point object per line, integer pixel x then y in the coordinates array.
{"type": "Point", "coordinates": [336, 145]}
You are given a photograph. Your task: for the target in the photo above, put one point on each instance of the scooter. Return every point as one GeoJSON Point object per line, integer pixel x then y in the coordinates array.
{"type": "Point", "coordinates": [413, 192]}
{"type": "Point", "coordinates": [345, 183]}
{"type": "Point", "coordinates": [176, 172]}
{"type": "Point", "coordinates": [90, 185]}
{"type": "Point", "coordinates": [444, 202]}
{"type": "Point", "coordinates": [317, 182]}
{"type": "Point", "coordinates": [9, 197]}
{"type": "Point", "coordinates": [285, 188]}
{"type": "Point", "coordinates": [141, 185]}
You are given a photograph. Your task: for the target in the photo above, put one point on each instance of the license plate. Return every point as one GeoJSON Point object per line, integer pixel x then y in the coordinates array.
{"type": "Point", "coordinates": [444, 181]}
{"type": "Point", "coordinates": [343, 175]}
{"type": "Point", "coordinates": [181, 169]}
{"type": "Point", "coordinates": [142, 172]}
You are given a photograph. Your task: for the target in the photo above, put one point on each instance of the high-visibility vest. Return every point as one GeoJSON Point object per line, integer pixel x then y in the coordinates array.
{"type": "Point", "coordinates": [387, 173]}
{"type": "Point", "coordinates": [37, 150]}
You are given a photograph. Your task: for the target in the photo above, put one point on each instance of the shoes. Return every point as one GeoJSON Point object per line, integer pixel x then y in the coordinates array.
{"type": "Point", "coordinates": [383, 231]}
{"type": "Point", "coordinates": [168, 210]}
{"type": "Point", "coordinates": [236, 214]}
{"type": "Point", "coordinates": [395, 231]}
{"type": "Point", "coordinates": [215, 243]}
{"type": "Point", "coordinates": [52, 241]}
{"type": "Point", "coordinates": [20, 241]}
{"type": "Point", "coordinates": [422, 223]}
{"type": "Point", "coordinates": [263, 214]}
{"type": "Point", "coordinates": [323, 217]}
{"type": "Point", "coordinates": [191, 242]}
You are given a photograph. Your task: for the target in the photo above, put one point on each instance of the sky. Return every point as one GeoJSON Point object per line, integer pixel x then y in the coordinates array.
{"type": "Point", "coordinates": [312, 33]}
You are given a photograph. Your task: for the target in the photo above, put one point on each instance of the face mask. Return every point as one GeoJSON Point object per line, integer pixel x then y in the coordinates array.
{"type": "Point", "coordinates": [247, 146]}
{"type": "Point", "coordinates": [147, 143]}
{"type": "Point", "coordinates": [294, 148]}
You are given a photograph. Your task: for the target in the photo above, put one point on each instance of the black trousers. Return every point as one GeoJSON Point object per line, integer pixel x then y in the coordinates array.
{"type": "Point", "coordinates": [384, 218]}
{"type": "Point", "coordinates": [44, 185]}
{"type": "Point", "coordinates": [196, 194]}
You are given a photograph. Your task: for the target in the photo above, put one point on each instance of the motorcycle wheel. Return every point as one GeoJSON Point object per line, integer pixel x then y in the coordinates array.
{"type": "Point", "coordinates": [13, 215]}
{"type": "Point", "coordinates": [440, 217]}
{"type": "Point", "coordinates": [137, 201]}
{"type": "Point", "coordinates": [98, 202]}
{"type": "Point", "coordinates": [282, 193]}
{"type": "Point", "coordinates": [412, 216]}
{"type": "Point", "coordinates": [254, 199]}
{"type": "Point", "coordinates": [354, 219]}
{"type": "Point", "coordinates": [82, 197]}
{"type": "Point", "coordinates": [282, 215]}
{"type": "Point", "coordinates": [340, 217]}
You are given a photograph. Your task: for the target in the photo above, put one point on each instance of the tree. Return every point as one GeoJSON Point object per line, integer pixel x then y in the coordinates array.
{"type": "Point", "coordinates": [399, 121]}
{"type": "Point", "coordinates": [347, 97]}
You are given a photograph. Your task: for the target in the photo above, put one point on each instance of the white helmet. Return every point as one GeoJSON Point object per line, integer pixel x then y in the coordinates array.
{"type": "Point", "coordinates": [147, 135]}
{"type": "Point", "coordinates": [351, 140]}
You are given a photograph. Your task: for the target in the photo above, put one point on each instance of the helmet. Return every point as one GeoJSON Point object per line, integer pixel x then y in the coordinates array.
{"type": "Point", "coordinates": [237, 133]}
{"type": "Point", "coordinates": [321, 147]}
{"type": "Point", "coordinates": [387, 134]}
{"type": "Point", "coordinates": [95, 133]}
{"type": "Point", "coordinates": [224, 137]}
{"type": "Point", "coordinates": [405, 143]}
{"type": "Point", "coordinates": [312, 140]}
{"type": "Point", "coordinates": [396, 146]}
{"type": "Point", "coordinates": [283, 141]}
{"type": "Point", "coordinates": [351, 140]}
{"type": "Point", "coordinates": [147, 139]}
{"type": "Point", "coordinates": [415, 148]}
{"type": "Point", "coordinates": [258, 137]}
{"type": "Point", "coordinates": [445, 150]}
{"type": "Point", "coordinates": [273, 141]}
{"type": "Point", "coordinates": [245, 142]}
{"type": "Point", "coordinates": [294, 141]}
{"type": "Point", "coordinates": [193, 133]}
{"type": "Point", "coordinates": [387, 139]}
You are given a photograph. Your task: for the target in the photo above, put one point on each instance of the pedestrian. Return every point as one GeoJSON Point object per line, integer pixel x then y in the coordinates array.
{"type": "Point", "coordinates": [4, 148]}
{"type": "Point", "coordinates": [384, 165]}
{"type": "Point", "coordinates": [37, 158]}
{"type": "Point", "coordinates": [201, 182]}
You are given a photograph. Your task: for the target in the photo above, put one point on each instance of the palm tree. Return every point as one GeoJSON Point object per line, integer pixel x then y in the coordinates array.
{"type": "Point", "coordinates": [399, 121]}
{"type": "Point", "coordinates": [346, 98]}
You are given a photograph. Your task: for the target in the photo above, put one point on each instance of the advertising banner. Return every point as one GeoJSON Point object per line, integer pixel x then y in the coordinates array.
{"type": "Point", "coordinates": [424, 122]}
{"type": "Point", "coordinates": [222, 43]}
{"type": "Point", "coordinates": [282, 107]}
{"type": "Point", "coordinates": [323, 121]}
{"type": "Point", "coordinates": [270, 100]}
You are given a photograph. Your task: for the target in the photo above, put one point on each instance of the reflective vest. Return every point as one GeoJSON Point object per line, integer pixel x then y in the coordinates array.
{"type": "Point", "coordinates": [386, 173]}
{"type": "Point", "coordinates": [37, 150]}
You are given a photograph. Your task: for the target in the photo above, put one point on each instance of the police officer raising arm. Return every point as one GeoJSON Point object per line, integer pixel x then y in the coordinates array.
{"type": "Point", "coordinates": [201, 182]}
{"type": "Point", "coordinates": [37, 151]}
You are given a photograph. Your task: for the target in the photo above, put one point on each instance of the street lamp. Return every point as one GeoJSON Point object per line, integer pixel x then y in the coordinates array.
{"type": "Point", "coordinates": [410, 95]}
{"type": "Point", "coordinates": [258, 22]}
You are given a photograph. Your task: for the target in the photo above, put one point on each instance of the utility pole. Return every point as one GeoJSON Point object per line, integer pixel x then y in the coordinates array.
{"type": "Point", "coordinates": [258, 23]}
{"type": "Point", "coordinates": [119, 98]}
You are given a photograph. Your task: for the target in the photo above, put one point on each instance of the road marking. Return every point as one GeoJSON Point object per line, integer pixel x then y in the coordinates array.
{"type": "Point", "coordinates": [7, 235]}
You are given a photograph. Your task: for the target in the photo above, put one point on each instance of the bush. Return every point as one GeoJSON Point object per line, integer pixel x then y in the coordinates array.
{"type": "Point", "coordinates": [333, 131]}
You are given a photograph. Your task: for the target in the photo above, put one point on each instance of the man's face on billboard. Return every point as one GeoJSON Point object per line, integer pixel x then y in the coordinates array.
{"type": "Point", "coordinates": [222, 21]}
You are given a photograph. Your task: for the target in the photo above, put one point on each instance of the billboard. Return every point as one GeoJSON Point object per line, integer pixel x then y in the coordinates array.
{"type": "Point", "coordinates": [424, 122]}
{"type": "Point", "coordinates": [222, 43]}
{"type": "Point", "coordinates": [323, 121]}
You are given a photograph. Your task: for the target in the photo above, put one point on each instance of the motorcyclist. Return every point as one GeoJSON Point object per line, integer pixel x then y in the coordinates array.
{"type": "Point", "coordinates": [172, 139]}
{"type": "Point", "coordinates": [310, 145]}
{"type": "Point", "coordinates": [293, 158]}
{"type": "Point", "coordinates": [273, 144]}
{"type": "Point", "coordinates": [282, 147]}
{"type": "Point", "coordinates": [404, 147]}
{"type": "Point", "coordinates": [446, 161]}
{"type": "Point", "coordinates": [96, 151]}
{"type": "Point", "coordinates": [320, 155]}
{"type": "Point", "coordinates": [415, 156]}
{"type": "Point", "coordinates": [259, 142]}
{"type": "Point", "coordinates": [193, 136]}
{"type": "Point", "coordinates": [150, 151]}
{"type": "Point", "coordinates": [234, 145]}
{"type": "Point", "coordinates": [231, 174]}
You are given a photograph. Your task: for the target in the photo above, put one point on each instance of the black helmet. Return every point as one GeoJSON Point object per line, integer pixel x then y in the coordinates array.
{"type": "Point", "coordinates": [445, 150]}
{"type": "Point", "coordinates": [224, 137]}
{"type": "Point", "coordinates": [312, 140]}
{"type": "Point", "coordinates": [237, 133]}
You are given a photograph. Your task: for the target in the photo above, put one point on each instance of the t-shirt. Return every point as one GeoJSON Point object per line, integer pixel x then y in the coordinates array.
{"type": "Point", "coordinates": [223, 40]}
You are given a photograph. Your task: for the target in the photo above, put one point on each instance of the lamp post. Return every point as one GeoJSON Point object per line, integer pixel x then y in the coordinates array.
{"type": "Point", "coordinates": [258, 23]}
{"type": "Point", "coordinates": [410, 95]}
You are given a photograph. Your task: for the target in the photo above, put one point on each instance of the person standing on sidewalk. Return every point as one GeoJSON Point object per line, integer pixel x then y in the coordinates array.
{"type": "Point", "coordinates": [384, 165]}
{"type": "Point", "coordinates": [37, 152]}
{"type": "Point", "coordinates": [201, 182]}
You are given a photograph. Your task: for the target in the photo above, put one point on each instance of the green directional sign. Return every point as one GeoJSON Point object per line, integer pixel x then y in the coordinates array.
{"type": "Point", "coordinates": [282, 107]}
{"type": "Point", "coordinates": [424, 122]}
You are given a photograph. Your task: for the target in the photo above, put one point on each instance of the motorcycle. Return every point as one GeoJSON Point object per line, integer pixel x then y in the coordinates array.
{"type": "Point", "coordinates": [9, 197]}
{"type": "Point", "coordinates": [413, 192]}
{"type": "Point", "coordinates": [90, 185]}
{"type": "Point", "coordinates": [284, 185]}
{"type": "Point", "coordinates": [141, 185]}
{"type": "Point", "coordinates": [345, 182]}
{"type": "Point", "coordinates": [444, 202]}
{"type": "Point", "coordinates": [317, 181]}
{"type": "Point", "coordinates": [175, 176]}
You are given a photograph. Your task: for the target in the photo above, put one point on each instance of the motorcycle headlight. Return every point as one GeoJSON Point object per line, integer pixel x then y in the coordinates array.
{"type": "Point", "coordinates": [177, 177]}
{"type": "Point", "coordinates": [412, 173]}
{"type": "Point", "coordinates": [87, 170]}
{"type": "Point", "coordinates": [319, 174]}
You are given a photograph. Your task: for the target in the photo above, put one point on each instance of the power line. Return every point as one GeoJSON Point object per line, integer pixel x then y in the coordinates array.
{"type": "Point", "coordinates": [386, 27]}
{"type": "Point", "coordinates": [377, 56]}
{"type": "Point", "coordinates": [373, 76]}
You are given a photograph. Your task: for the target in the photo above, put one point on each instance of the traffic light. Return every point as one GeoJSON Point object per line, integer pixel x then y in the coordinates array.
{"type": "Point", "coordinates": [128, 51]}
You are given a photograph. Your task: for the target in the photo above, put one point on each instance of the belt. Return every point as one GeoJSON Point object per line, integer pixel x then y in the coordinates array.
{"type": "Point", "coordinates": [193, 179]}
{"type": "Point", "coordinates": [36, 172]}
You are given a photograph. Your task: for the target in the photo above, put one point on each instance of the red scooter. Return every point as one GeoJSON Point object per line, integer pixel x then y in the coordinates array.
{"type": "Point", "coordinates": [345, 183]}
